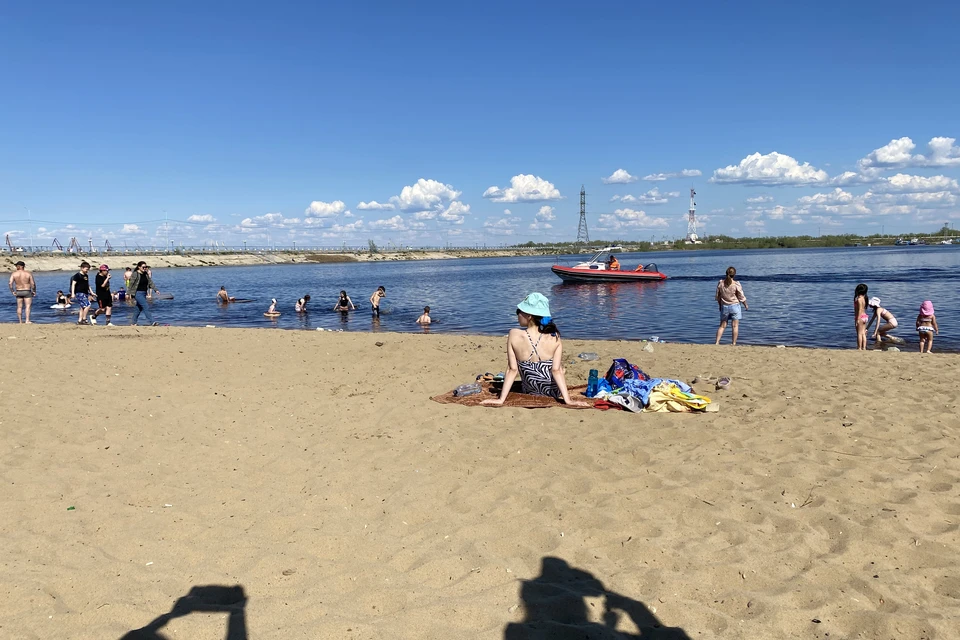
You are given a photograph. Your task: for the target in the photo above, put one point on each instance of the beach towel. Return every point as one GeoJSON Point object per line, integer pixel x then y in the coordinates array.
{"type": "Point", "coordinates": [668, 397]}
{"type": "Point", "coordinates": [515, 399]}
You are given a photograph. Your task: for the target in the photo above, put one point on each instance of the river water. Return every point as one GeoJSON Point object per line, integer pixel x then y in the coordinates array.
{"type": "Point", "coordinates": [796, 297]}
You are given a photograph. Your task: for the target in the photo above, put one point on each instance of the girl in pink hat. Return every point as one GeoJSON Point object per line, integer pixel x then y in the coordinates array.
{"type": "Point", "coordinates": [927, 326]}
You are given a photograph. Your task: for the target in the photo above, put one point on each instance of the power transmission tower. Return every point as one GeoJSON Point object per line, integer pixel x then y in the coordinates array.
{"type": "Point", "coordinates": [583, 236]}
{"type": "Point", "coordinates": [692, 229]}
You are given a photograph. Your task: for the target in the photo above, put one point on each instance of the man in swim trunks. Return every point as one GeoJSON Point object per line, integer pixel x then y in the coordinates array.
{"type": "Point", "coordinates": [104, 296]}
{"type": "Point", "coordinates": [375, 299]}
{"type": "Point", "coordinates": [223, 296]}
{"type": "Point", "coordinates": [80, 291]}
{"type": "Point", "coordinates": [24, 288]}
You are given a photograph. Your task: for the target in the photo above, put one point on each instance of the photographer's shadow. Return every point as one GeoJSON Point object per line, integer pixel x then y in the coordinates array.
{"type": "Point", "coordinates": [556, 609]}
{"type": "Point", "coordinates": [202, 599]}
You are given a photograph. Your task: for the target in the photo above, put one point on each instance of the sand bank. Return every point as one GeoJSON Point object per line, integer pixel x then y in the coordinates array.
{"type": "Point", "coordinates": [70, 262]}
{"type": "Point", "coordinates": [312, 470]}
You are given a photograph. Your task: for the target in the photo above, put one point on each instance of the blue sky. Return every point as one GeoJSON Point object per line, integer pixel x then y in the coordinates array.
{"type": "Point", "coordinates": [436, 123]}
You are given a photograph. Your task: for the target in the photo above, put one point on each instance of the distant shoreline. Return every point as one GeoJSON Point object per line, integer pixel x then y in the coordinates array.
{"type": "Point", "coordinates": [44, 262]}
{"type": "Point", "coordinates": [69, 262]}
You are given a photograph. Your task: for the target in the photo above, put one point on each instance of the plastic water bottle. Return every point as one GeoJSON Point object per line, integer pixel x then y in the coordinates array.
{"type": "Point", "coordinates": [467, 389]}
{"type": "Point", "coordinates": [588, 355]}
{"type": "Point", "coordinates": [592, 383]}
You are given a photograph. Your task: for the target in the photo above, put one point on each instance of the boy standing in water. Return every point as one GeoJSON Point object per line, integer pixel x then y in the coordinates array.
{"type": "Point", "coordinates": [104, 295]}
{"type": "Point", "coordinates": [80, 291]}
{"type": "Point", "coordinates": [730, 297]}
{"type": "Point", "coordinates": [375, 299]}
{"type": "Point", "coordinates": [425, 318]}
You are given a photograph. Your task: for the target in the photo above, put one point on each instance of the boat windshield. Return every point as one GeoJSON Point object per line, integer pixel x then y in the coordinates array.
{"type": "Point", "coordinates": [651, 267]}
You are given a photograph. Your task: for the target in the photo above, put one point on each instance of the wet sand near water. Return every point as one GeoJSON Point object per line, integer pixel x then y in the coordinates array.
{"type": "Point", "coordinates": [312, 470]}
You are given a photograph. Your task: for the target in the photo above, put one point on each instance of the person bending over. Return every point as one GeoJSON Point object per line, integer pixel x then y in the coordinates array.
{"type": "Point", "coordinates": [535, 353]}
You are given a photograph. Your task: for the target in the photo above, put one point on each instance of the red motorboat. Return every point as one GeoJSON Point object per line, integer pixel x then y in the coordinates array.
{"type": "Point", "coordinates": [597, 269]}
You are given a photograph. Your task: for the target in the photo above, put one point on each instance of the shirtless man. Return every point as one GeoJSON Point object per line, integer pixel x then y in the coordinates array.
{"type": "Point", "coordinates": [23, 286]}
{"type": "Point", "coordinates": [223, 296]}
{"type": "Point", "coordinates": [375, 299]}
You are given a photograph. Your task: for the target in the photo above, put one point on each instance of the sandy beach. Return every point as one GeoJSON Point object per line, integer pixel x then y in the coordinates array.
{"type": "Point", "coordinates": [312, 470]}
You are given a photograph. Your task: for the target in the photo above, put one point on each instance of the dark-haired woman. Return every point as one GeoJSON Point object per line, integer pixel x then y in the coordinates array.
{"type": "Point", "coordinates": [535, 353]}
{"type": "Point", "coordinates": [344, 303]}
{"type": "Point", "coordinates": [860, 315]}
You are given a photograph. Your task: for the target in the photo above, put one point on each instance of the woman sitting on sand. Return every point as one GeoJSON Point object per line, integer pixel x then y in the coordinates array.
{"type": "Point", "coordinates": [536, 354]}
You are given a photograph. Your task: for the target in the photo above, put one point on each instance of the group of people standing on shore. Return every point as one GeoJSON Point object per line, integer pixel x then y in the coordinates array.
{"type": "Point", "coordinates": [867, 312]}
{"type": "Point", "coordinates": [864, 307]}
{"type": "Point", "coordinates": [137, 280]}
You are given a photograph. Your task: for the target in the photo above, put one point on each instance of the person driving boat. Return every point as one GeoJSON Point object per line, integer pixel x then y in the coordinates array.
{"type": "Point", "coordinates": [613, 264]}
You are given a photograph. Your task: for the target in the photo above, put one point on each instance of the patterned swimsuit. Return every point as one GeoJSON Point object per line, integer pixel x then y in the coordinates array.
{"type": "Point", "coordinates": [536, 377]}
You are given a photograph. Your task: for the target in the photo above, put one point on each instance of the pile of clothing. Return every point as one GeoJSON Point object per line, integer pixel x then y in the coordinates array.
{"type": "Point", "coordinates": [627, 386]}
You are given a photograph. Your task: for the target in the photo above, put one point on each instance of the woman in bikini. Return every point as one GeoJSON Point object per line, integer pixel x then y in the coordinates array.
{"type": "Point", "coordinates": [860, 315]}
{"type": "Point", "coordinates": [535, 353]}
{"type": "Point", "coordinates": [886, 321]}
{"type": "Point", "coordinates": [344, 303]}
{"type": "Point", "coordinates": [927, 326]}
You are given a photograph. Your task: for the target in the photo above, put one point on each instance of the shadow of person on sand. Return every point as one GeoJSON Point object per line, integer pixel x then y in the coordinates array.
{"type": "Point", "coordinates": [557, 609]}
{"type": "Point", "coordinates": [203, 599]}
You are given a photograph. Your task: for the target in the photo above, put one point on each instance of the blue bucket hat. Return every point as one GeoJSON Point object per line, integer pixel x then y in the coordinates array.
{"type": "Point", "coordinates": [536, 304]}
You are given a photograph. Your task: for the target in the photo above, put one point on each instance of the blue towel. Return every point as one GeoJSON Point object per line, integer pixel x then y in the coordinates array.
{"type": "Point", "coordinates": [642, 388]}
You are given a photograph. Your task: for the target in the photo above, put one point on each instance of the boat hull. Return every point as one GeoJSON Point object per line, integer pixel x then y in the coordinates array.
{"type": "Point", "coordinates": [571, 274]}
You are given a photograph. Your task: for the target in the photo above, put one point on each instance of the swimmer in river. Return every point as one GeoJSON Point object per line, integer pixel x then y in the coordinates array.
{"type": "Point", "coordinates": [344, 303]}
{"type": "Point", "coordinates": [272, 311]}
{"type": "Point", "coordinates": [62, 299]}
{"type": "Point", "coordinates": [425, 318]}
{"type": "Point", "coordinates": [375, 299]}
{"type": "Point", "coordinates": [223, 297]}
{"type": "Point", "coordinates": [301, 306]}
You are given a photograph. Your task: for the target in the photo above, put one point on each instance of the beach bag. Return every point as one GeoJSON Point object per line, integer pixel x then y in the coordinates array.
{"type": "Point", "coordinates": [622, 370]}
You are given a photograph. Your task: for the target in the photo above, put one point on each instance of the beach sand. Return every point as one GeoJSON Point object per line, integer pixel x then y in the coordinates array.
{"type": "Point", "coordinates": [312, 470]}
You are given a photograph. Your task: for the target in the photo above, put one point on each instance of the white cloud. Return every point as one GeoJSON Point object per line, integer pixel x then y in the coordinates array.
{"type": "Point", "coordinates": [754, 226]}
{"type": "Point", "coordinates": [898, 154]}
{"type": "Point", "coordinates": [455, 212]}
{"type": "Point", "coordinates": [425, 195]}
{"type": "Point", "coordinates": [620, 176]}
{"type": "Point", "coordinates": [773, 169]}
{"type": "Point", "coordinates": [339, 230]}
{"type": "Point", "coordinates": [201, 218]}
{"type": "Point", "coordinates": [837, 196]}
{"type": "Point", "coordinates": [319, 209]}
{"type": "Point", "coordinates": [133, 230]}
{"type": "Point", "coordinates": [654, 196]}
{"type": "Point", "coordinates": [686, 173]}
{"type": "Point", "coordinates": [501, 226]}
{"type": "Point", "coordinates": [524, 188]}
{"type": "Point", "coordinates": [545, 214]}
{"type": "Point", "coordinates": [760, 199]}
{"type": "Point", "coordinates": [373, 205]}
{"type": "Point", "coordinates": [507, 212]}
{"type": "Point", "coordinates": [630, 219]}
{"type": "Point", "coordinates": [396, 223]}
{"type": "Point", "coordinates": [907, 183]}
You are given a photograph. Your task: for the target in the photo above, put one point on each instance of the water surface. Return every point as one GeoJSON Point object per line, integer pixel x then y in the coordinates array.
{"type": "Point", "coordinates": [796, 297]}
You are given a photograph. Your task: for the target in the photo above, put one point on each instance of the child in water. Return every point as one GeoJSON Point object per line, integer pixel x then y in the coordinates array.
{"type": "Point", "coordinates": [860, 316]}
{"type": "Point", "coordinates": [344, 303]}
{"type": "Point", "coordinates": [375, 299]}
{"type": "Point", "coordinates": [61, 299]}
{"type": "Point", "coordinates": [301, 306]}
{"type": "Point", "coordinates": [927, 326]}
{"type": "Point", "coordinates": [425, 318]}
